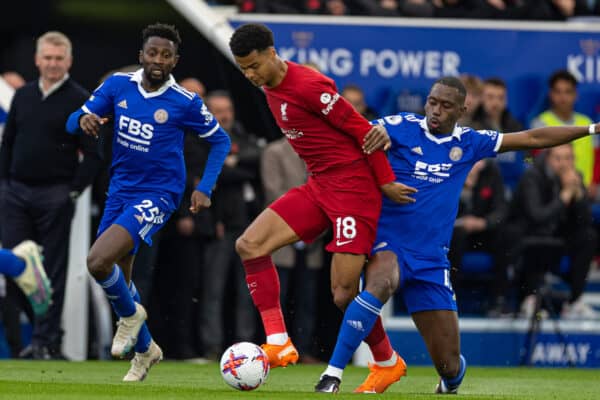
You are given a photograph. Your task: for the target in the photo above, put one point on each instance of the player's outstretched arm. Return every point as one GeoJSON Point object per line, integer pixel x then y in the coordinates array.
{"type": "Point", "coordinates": [545, 137]}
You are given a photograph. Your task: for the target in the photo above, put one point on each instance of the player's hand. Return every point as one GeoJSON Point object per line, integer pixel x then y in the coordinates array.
{"type": "Point", "coordinates": [200, 201]}
{"type": "Point", "coordinates": [90, 124]}
{"type": "Point", "coordinates": [399, 192]}
{"type": "Point", "coordinates": [377, 138]}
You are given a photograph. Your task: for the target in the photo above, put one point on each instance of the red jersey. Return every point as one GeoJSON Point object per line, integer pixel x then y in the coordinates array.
{"type": "Point", "coordinates": [322, 127]}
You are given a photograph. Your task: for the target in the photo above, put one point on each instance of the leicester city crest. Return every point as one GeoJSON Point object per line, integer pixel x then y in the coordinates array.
{"type": "Point", "coordinates": [456, 153]}
{"type": "Point", "coordinates": [161, 116]}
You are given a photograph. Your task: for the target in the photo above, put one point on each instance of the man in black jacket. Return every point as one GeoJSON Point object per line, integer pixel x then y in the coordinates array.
{"type": "Point", "coordinates": [551, 202]}
{"type": "Point", "coordinates": [41, 174]}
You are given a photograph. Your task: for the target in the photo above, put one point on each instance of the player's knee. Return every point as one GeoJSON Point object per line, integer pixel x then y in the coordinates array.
{"type": "Point", "coordinates": [247, 248]}
{"type": "Point", "coordinates": [383, 288]}
{"type": "Point", "coordinates": [98, 266]}
{"type": "Point", "coordinates": [342, 297]}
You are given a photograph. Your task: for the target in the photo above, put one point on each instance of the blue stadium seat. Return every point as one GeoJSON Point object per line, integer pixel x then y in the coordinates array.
{"type": "Point", "coordinates": [477, 262]}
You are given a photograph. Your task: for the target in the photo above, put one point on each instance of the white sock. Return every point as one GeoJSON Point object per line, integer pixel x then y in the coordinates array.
{"type": "Point", "coordinates": [277, 338]}
{"type": "Point", "coordinates": [334, 371]}
{"type": "Point", "coordinates": [388, 363]}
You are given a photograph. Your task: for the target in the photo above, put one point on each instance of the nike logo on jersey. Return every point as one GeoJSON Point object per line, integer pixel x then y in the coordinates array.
{"type": "Point", "coordinates": [340, 243]}
{"type": "Point", "coordinates": [417, 150]}
{"type": "Point", "coordinates": [123, 104]}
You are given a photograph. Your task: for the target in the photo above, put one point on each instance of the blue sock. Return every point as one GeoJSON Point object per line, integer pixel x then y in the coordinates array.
{"type": "Point", "coordinates": [10, 264]}
{"type": "Point", "coordinates": [144, 338]}
{"type": "Point", "coordinates": [357, 323]}
{"type": "Point", "coordinates": [117, 292]}
{"type": "Point", "coordinates": [454, 383]}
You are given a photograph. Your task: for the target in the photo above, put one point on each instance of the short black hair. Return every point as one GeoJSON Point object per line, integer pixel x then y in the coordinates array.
{"type": "Point", "coordinates": [250, 37]}
{"type": "Point", "coordinates": [453, 82]}
{"type": "Point", "coordinates": [164, 31]}
{"type": "Point", "coordinates": [561, 75]}
{"type": "Point", "coordinates": [495, 82]}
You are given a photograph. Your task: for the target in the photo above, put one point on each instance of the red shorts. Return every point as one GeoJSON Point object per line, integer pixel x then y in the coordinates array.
{"type": "Point", "coordinates": [349, 204]}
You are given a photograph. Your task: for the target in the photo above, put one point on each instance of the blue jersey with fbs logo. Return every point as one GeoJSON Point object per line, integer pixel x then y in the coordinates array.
{"type": "Point", "coordinates": [437, 167]}
{"type": "Point", "coordinates": [147, 151]}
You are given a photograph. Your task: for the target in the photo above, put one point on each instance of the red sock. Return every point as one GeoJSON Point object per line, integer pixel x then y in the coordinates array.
{"type": "Point", "coordinates": [379, 342]}
{"type": "Point", "coordinates": [263, 284]}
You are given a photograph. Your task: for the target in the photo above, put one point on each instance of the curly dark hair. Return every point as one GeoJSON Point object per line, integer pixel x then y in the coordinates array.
{"type": "Point", "coordinates": [250, 37]}
{"type": "Point", "coordinates": [164, 31]}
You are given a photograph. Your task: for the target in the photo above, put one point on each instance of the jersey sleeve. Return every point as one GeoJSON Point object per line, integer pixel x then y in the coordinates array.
{"type": "Point", "coordinates": [99, 103]}
{"type": "Point", "coordinates": [486, 143]}
{"type": "Point", "coordinates": [322, 98]}
{"type": "Point", "coordinates": [394, 126]}
{"type": "Point", "coordinates": [199, 119]}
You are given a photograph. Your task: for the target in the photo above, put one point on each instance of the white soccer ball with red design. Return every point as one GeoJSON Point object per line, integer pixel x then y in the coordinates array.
{"type": "Point", "coordinates": [244, 366]}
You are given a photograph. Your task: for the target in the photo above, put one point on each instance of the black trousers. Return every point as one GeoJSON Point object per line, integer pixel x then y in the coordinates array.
{"type": "Point", "coordinates": [42, 213]}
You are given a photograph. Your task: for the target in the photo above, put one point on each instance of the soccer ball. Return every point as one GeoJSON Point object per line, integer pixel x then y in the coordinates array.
{"type": "Point", "coordinates": [244, 366]}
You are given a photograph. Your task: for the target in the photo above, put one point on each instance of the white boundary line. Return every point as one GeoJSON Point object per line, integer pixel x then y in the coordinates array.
{"type": "Point", "coordinates": [574, 26]}
{"type": "Point", "coordinates": [487, 325]}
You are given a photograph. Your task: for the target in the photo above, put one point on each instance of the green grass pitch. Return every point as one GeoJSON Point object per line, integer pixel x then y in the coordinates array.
{"type": "Point", "coordinates": [30, 380]}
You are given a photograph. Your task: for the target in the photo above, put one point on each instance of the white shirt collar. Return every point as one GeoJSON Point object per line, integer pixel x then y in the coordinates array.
{"type": "Point", "coordinates": [456, 133]}
{"type": "Point", "coordinates": [137, 77]}
{"type": "Point", "coordinates": [53, 88]}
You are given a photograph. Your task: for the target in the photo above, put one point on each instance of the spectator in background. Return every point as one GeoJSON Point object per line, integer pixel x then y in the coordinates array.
{"type": "Point", "coordinates": [492, 114]}
{"type": "Point", "coordinates": [298, 264]}
{"type": "Point", "coordinates": [335, 7]}
{"type": "Point", "coordinates": [355, 96]}
{"type": "Point", "coordinates": [42, 176]}
{"type": "Point", "coordinates": [562, 95]}
{"type": "Point", "coordinates": [482, 212]}
{"type": "Point", "coordinates": [222, 267]}
{"type": "Point", "coordinates": [194, 86]}
{"type": "Point", "coordinates": [474, 87]}
{"type": "Point", "coordinates": [551, 202]}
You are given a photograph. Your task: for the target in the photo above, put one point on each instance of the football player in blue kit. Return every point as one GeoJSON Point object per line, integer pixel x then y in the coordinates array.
{"type": "Point", "coordinates": [147, 176]}
{"type": "Point", "coordinates": [433, 155]}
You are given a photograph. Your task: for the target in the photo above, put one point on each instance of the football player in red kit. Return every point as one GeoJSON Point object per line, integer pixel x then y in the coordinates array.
{"type": "Point", "coordinates": [346, 179]}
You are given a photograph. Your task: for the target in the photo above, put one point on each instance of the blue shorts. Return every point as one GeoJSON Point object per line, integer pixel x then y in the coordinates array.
{"type": "Point", "coordinates": [423, 289]}
{"type": "Point", "coordinates": [141, 215]}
